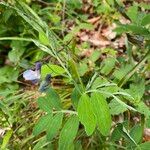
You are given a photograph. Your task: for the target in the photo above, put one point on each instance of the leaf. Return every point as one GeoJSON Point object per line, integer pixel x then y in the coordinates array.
{"type": "Point", "coordinates": [136, 133]}
{"type": "Point", "coordinates": [119, 74]}
{"type": "Point", "coordinates": [68, 133]}
{"type": "Point", "coordinates": [83, 68]}
{"type": "Point", "coordinates": [140, 30]}
{"type": "Point", "coordinates": [146, 20]}
{"type": "Point", "coordinates": [40, 144]}
{"type": "Point", "coordinates": [144, 146]}
{"type": "Point", "coordinates": [86, 114]}
{"type": "Point", "coordinates": [102, 113]}
{"type": "Point", "coordinates": [147, 122]}
{"type": "Point", "coordinates": [43, 38]}
{"type": "Point", "coordinates": [7, 14]}
{"type": "Point", "coordinates": [109, 64]}
{"type": "Point", "coordinates": [125, 134]}
{"type": "Point", "coordinates": [15, 55]}
{"type": "Point", "coordinates": [144, 5]}
{"type": "Point", "coordinates": [137, 89]}
{"type": "Point", "coordinates": [95, 56]}
{"type": "Point", "coordinates": [116, 108]}
{"type": "Point", "coordinates": [78, 145]}
{"type": "Point", "coordinates": [42, 124]}
{"type": "Point", "coordinates": [74, 70]}
{"type": "Point", "coordinates": [143, 108]}
{"type": "Point", "coordinates": [116, 135]}
{"type": "Point", "coordinates": [55, 70]}
{"type": "Point", "coordinates": [75, 96]}
{"type": "Point", "coordinates": [98, 82]}
{"type": "Point", "coordinates": [132, 13]}
{"type": "Point", "coordinates": [73, 4]}
{"type": "Point", "coordinates": [54, 99]}
{"type": "Point", "coordinates": [6, 139]}
{"type": "Point", "coordinates": [45, 104]}
{"type": "Point", "coordinates": [54, 126]}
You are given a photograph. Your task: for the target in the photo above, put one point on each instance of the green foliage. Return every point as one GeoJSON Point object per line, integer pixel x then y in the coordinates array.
{"type": "Point", "coordinates": [109, 64]}
{"type": "Point", "coordinates": [42, 124]}
{"type": "Point", "coordinates": [68, 133]}
{"type": "Point", "coordinates": [55, 70]}
{"type": "Point", "coordinates": [144, 146]}
{"type": "Point", "coordinates": [54, 126]}
{"type": "Point", "coordinates": [76, 110]}
{"type": "Point", "coordinates": [86, 114]}
{"type": "Point", "coordinates": [6, 139]}
{"type": "Point", "coordinates": [136, 133]}
{"type": "Point", "coordinates": [102, 113]}
{"type": "Point", "coordinates": [116, 108]}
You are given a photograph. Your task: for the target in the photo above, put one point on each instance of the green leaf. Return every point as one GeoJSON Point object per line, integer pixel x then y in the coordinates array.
{"type": "Point", "coordinates": [6, 139]}
{"type": "Point", "coordinates": [78, 145]}
{"type": "Point", "coordinates": [43, 38]}
{"type": "Point", "coordinates": [7, 14]}
{"type": "Point", "coordinates": [45, 104]}
{"type": "Point", "coordinates": [136, 133]}
{"type": "Point", "coordinates": [15, 55]}
{"type": "Point", "coordinates": [137, 89]}
{"type": "Point", "coordinates": [119, 74]}
{"type": "Point", "coordinates": [146, 20]}
{"type": "Point", "coordinates": [83, 68]}
{"type": "Point", "coordinates": [55, 70]}
{"type": "Point", "coordinates": [102, 113]}
{"type": "Point", "coordinates": [144, 146]}
{"type": "Point", "coordinates": [54, 99]}
{"type": "Point", "coordinates": [95, 56]}
{"type": "Point", "coordinates": [40, 144]}
{"type": "Point", "coordinates": [140, 30]}
{"type": "Point", "coordinates": [147, 122]}
{"type": "Point", "coordinates": [74, 72]}
{"type": "Point", "coordinates": [109, 64]}
{"type": "Point", "coordinates": [68, 133]}
{"type": "Point", "coordinates": [132, 13]}
{"type": "Point", "coordinates": [86, 114]}
{"type": "Point", "coordinates": [116, 108]}
{"type": "Point", "coordinates": [54, 126]}
{"type": "Point", "coordinates": [144, 5]}
{"type": "Point", "coordinates": [125, 133]}
{"type": "Point", "coordinates": [143, 108]}
{"type": "Point", "coordinates": [75, 96]}
{"type": "Point", "coordinates": [116, 135]}
{"type": "Point", "coordinates": [73, 69]}
{"type": "Point", "coordinates": [42, 124]}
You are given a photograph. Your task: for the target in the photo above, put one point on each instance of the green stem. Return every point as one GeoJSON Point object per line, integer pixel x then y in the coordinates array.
{"type": "Point", "coordinates": [131, 72]}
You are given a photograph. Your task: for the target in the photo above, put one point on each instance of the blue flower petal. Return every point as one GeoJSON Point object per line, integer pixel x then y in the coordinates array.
{"type": "Point", "coordinates": [31, 75]}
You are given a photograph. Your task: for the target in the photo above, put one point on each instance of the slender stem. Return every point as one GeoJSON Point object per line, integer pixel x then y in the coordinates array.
{"type": "Point", "coordinates": [131, 72]}
{"type": "Point", "coordinates": [17, 38]}
{"type": "Point", "coordinates": [116, 145]}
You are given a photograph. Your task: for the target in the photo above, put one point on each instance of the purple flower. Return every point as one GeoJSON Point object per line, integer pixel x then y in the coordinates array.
{"type": "Point", "coordinates": [33, 76]}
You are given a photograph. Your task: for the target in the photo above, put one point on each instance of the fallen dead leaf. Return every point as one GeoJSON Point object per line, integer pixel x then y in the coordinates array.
{"type": "Point", "coordinates": [108, 32]}
{"type": "Point", "coordinates": [93, 20]}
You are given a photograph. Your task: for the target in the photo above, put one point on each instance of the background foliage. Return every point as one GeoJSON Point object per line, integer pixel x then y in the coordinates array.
{"type": "Point", "coordinates": [99, 94]}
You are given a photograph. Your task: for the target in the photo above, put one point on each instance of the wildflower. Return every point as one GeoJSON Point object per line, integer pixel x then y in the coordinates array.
{"type": "Point", "coordinates": [33, 76]}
